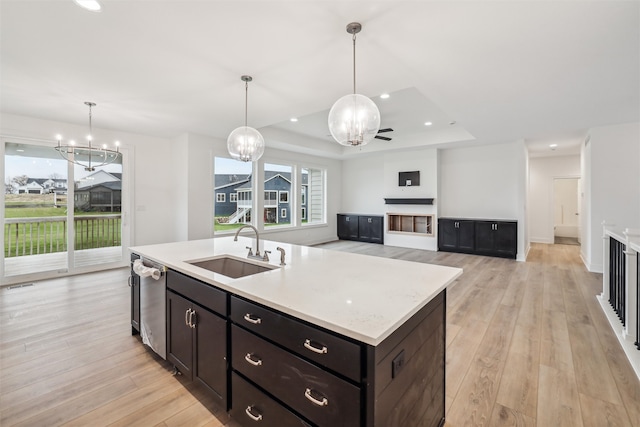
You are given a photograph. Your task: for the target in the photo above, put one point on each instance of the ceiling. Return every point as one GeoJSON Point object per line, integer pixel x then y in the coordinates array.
{"type": "Point", "coordinates": [543, 72]}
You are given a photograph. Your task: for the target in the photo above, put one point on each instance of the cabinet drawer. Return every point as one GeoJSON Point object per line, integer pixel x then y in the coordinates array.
{"type": "Point", "coordinates": [205, 294]}
{"type": "Point", "coordinates": [322, 347]}
{"type": "Point", "coordinates": [250, 406]}
{"type": "Point", "coordinates": [317, 395]}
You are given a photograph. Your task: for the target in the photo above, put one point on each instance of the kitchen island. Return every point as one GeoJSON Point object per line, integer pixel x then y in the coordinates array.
{"type": "Point", "coordinates": [330, 338]}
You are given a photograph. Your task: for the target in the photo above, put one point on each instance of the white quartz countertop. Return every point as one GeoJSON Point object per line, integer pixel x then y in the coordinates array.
{"type": "Point", "coordinates": [359, 296]}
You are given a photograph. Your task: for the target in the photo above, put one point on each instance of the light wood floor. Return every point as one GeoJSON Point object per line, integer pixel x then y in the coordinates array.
{"type": "Point", "coordinates": [528, 345]}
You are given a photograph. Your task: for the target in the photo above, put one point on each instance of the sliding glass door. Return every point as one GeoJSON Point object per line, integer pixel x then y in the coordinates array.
{"type": "Point", "coordinates": [59, 218]}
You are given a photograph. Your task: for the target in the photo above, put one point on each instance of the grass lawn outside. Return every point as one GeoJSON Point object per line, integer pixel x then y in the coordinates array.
{"type": "Point", "coordinates": [48, 235]}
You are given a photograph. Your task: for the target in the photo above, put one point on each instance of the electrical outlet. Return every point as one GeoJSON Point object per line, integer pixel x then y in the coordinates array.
{"type": "Point", "coordinates": [397, 364]}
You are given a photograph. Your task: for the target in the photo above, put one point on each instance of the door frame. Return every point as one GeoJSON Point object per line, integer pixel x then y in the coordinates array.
{"type": "Point", "coordinates": [126, 222]}
{"type": "Point", "coordinates": [552, 205]}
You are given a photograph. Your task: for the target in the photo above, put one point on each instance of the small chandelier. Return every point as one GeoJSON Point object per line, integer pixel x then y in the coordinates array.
{"type": "Point", "coordinates": [354, 119]}
{"type": "Point", "coordinates": [245, 143]}
{"type": "Point", "coordinates": [89, 156]}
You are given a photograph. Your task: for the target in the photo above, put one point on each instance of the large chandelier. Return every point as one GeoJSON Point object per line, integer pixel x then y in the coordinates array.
{"type": "Point", "coordinates": [245, 143]}
{"type": "Point", "coordinates": [354, 119]}
{"type": "Point", "coordinates": [88, 156]}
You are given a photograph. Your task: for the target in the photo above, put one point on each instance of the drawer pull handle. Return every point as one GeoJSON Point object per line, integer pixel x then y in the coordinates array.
{"type": "Point", "coordinates": [249, 359]}
{"type": "Point", "coordinates": [323, 350]}
{"type": "Point", "coordinates": [323, 402]}
{"type": "Point", "coordinates": [250, 414]}
{"type": "Point", "coordinates": [252, 319]}
{"type": "Point", "coordinates": [186, 317]}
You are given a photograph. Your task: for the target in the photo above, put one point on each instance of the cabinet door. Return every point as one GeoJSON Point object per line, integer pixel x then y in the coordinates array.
{"type": "Point", "coordinates": [484, 237]}
{"type": "Point", "coordinates": [505, 239]}
{"type": "Point", "coordinates": [348, 227]}
{"type": "Point", "coordinates": [370, 229]}
{"type": "Point", "coordinates": [447, 235]}
{"type": "Point", "coordinates": [179, 334]}
{"type": "Point", "coordinates": [210, 348]}
{"type": "Point", "coordinates": [466, 236]}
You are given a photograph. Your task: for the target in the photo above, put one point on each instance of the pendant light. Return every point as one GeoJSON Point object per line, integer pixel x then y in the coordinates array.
{"type": "Point", "coordinates": [90, 156]}
{"type": "Point", "coordinates": [354, 119]}
{"type": "Point", "coordinates": [245, 143]}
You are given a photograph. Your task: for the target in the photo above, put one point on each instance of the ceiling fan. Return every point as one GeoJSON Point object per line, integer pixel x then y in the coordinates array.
{"type": "Point", "coordinates": [384, 138]}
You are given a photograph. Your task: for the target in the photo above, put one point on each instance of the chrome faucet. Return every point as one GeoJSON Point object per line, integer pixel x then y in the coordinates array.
{"type": "Point", "coordinates": [250, 254]}
{"type": "Point", "coordinates": [281, 255]}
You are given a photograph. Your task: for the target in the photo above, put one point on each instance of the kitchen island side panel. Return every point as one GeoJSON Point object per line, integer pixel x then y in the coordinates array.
{"type": "Point", "coordinates": [405, 382]}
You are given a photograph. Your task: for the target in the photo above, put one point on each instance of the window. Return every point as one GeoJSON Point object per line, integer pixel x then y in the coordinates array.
{"type": "Point", "coordinates": [304, 213]}
{"type": "Point", "coordinates": [277, 185]}
{"type": "Point", "coordinates": [233, 177]}
{"type": "Point", "coordinates": [303, 198]}
{"type": "Point", "coordinates": [270, 198]}
{"type": "Point", "coordinates": [313, 185]}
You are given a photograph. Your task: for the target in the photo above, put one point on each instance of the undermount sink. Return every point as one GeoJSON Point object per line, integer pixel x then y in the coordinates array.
{"type": "Point", "coordinates": [231, 267]}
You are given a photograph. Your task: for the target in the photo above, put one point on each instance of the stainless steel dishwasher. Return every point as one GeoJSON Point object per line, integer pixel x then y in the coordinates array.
{"type": "Point", "coordinates": [153, 278]}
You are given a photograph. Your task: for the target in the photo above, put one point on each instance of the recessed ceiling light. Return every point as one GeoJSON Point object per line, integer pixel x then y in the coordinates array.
{"type": "Point", "coordinates": [91, 5]}
{"type": "Point", "coordinates": [384, 96]}
{"type": "Point", "coordinates": [293, 119]}
{"type": "Point", "coordinates": [553, 146]}
{"type": "Point", "coordinates": [428, 123]}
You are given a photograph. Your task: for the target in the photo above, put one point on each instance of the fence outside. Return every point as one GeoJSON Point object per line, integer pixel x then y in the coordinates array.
{"type": "Point", "coordinates": [33, 236]}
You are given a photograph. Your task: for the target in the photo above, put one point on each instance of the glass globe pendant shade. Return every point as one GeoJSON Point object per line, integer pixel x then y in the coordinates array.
{"type": "Point", "coordinates": [245, 144]}
{"type": "Point", "coordinates": [354, 120]}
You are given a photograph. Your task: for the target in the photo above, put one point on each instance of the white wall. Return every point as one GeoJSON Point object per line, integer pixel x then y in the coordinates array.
{"type": "Point", "coordinates": [542, 172]}
{"type": "Point", "coordinates": [488, 181]}
{"type": "Point", "coordinates": [372, 178]}
{"type": "Point", "coordinates": [613, 187]}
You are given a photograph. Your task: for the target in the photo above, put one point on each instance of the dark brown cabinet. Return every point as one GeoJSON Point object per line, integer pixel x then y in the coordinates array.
{"type": "Point", "coordinates": [456, 235]}
{"type": "Point", "coordinates": [197, 337]}
{"type": "Point", "coordinates": [283, 366]}
{"type": "Point", "coordinates": [496, 238]}
{"type": "Point", "coordinates": [364, 228]}
{"type": "Point", "coordinates": [347, 227]}
{"type": "Point", "coordinates": [478, 236]}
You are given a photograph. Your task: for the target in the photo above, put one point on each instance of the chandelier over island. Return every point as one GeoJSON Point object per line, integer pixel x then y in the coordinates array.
{"type": "Point", "coordinates": [354, 119]}
{"type": "Point", "coordinates": [245, 143]}
{"type": "Point", "coordinates": [89, 156]}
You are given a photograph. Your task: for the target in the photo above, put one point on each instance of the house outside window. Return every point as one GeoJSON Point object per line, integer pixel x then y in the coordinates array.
{"type": "Point", "coordinates": [277, 185]}
{"type": "Point", "coordinates": [231, 178]}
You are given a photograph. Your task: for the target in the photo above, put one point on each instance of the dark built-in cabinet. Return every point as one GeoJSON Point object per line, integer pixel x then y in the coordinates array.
{"type": "Point", "coordinates": [197, 333]}
{"type": "Point", "coordinates": [268, 368]}
{"type": "Point", "coordinates": [478, 236]}
{"type": "Point", "coordinates": [364, 228]}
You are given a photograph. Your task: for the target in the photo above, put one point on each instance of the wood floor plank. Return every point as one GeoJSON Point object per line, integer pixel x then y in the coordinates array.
{"type": "Point", "coordinates": [558, 399]}
{"type": "Point", "coordinates": [598, 413]}
{"type": "Point", "coordinates": [506, 417]}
